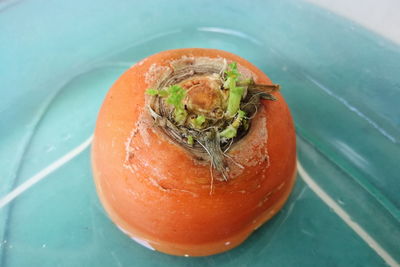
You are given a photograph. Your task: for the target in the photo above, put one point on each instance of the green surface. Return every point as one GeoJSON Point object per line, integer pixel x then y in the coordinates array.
{"type": "Point", "coordinates": [58, 59]}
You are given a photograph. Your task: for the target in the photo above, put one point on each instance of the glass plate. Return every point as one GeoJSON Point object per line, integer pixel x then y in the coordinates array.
{"type": "Point", "coordinates": [59, 58]}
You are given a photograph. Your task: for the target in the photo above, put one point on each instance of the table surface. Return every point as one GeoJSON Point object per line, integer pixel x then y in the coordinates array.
{"type": "Point", "coordinates": [341, 81]}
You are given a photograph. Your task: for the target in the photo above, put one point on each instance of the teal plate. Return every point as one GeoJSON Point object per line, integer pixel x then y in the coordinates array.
{"type": "Point", "coordinates": [342, 82]}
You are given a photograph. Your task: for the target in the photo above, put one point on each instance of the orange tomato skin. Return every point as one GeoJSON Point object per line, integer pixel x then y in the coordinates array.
{"type": "Point", "coordinates": [156, 191]}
